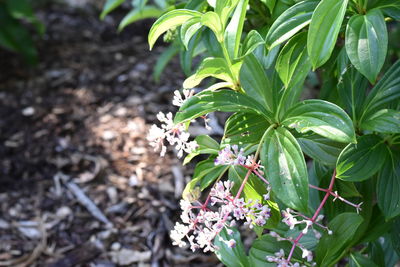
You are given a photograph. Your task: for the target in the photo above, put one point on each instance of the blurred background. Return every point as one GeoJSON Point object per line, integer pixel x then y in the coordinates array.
{"type": "Point", "coordinates": [79, 184]}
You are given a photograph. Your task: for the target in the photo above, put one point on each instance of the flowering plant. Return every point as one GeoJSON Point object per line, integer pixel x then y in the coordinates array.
{"type": "Point", "coordinates": [282, 161]}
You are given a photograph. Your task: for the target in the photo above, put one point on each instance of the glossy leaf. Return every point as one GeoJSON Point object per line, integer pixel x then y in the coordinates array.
{"type": "Point", "coordinates": [293, 63]}
{"type": "Point", "coordinates": [383, 121]}
{"type": "Point", "coordinates": [109, 6]}
{"type": "Point", "coordinates": [168, 21]}
{"type": "Point", "coordinates": [244, 128]}
{"type": "Point", "coordinates": [324, 29]}
{"type": "Point", "coordinates": [366, 43]}
{"type": "Point", "coordinates": [320, 148]}
{"type": "Point", "coordinates": [358, 260]}
{"type": "Point", "coordinates": [290, 22]}
{"type": "Point", "coordinates": [331, 247]}
{"type": "Point", "coordinates": [251, 42]}
{"type": "Point", "coordinates": [206, 145]}
{"type": "Point", "coordinates": [233, 31]}
{"type": "Point", "coordinates": [321, 117]}
{"type": "Point", "coordinates": [188, 29]}
{"type": "Point", "coordinates": [388, 187]}
{"type": "Point", "coordinates": [224, 100]}
{"type": "Point", "coordinates": [213, 21]}
{"type": "Point", "coordinates": [387, 90]}
{"type": "Point", "coordinates": [205, 173]}
{"type": "Point", "coordinates": [138, 14]}
{"type": "Point", "coordinates": [210, 67]}
{"type": "Point", "coordinates": [254, 81]}
{"type": "Point", "coordinates": [285, 168]}
{"type": "Point", "coordinates": [236, 256]}
{"type": "Point", "coordinates": [360, 161]}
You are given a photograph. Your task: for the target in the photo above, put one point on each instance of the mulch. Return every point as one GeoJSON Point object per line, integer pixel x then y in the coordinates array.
{"type": "Point", "coordinates": [79, 184]}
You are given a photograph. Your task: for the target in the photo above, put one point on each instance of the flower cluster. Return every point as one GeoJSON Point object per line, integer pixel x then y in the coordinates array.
{"type": "Point", "coordinates": [203, 222]}
{"type": "Point", "coordinates": [175, 134]}
{"type": "Point", "coordinates": [289, 218]}
{"type": "Point", "coordinates": [307, 254]}
{"type": "Point", "coordinates": [231, 155]}
{"type": "Point", "coordinates": [280, 260]}
{"type": "Point", "coordinates": [179, 99]}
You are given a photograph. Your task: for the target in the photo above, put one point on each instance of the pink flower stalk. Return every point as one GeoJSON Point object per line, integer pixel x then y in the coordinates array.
{"type": "Point", "coordinates": [202, 223]}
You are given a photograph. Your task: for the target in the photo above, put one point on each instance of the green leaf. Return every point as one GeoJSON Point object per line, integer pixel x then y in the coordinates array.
{"type": "Point", "coordinates": [210, 67]}
{"type": "Point", "coordinates": [293, 63]}
{"type": "Point", "coordinates": [190, 28]}
{"type": "Point", "coordinates": [324, 29]}
{"type": "Point", "coordinates": [376, 227]}
{"type": "Point", "coordinates": [267, 245]}
{"type": "Point", "coordinates": [383, 121]}
{"type": "Point", "coordinates": [358, 260]}
{"type": "Point", "coordinates": [206, 145]}
{"type": "Point", "coordinates": [22, 10]}
{"type": "Point", "coordinates": [387, 90]}
{"type": "Point", "coordinates": [395, 236]}
{"type": "Point", "coordinates": [223, 100]}
{"type": "Point", "coordinates": [285, 168]}
{"type": "Point", "coordinates": [388, 187]}
{"type": "Point", "coordinates": [205, 173]}
{"type": "Point", "coordinates": [213, 21]}
{"type": "Point", "coordinates": [233, 31]}
{"type": "Point", "coordinates": [109, 6]}
{"type": "Point", "coordinates": [360, 161]}
{"type": "Point", "coordinates": [138, 14]}
{"type": "Point", "coordinates": [232, 257]}
{"type": "Point", "coordinates": [331, 247]}
{"type": "Point", "coordinates": [168, 21]}
{"type": "Point", "coordinates": [244, 128]}
{"type": "Point", "coordinates": [320, 148]}
{"type": "Point", "coordinates": [251, 42]}
{"type": "Point", "coordinates": [321, 117]}
{"type": "Point", "coordinates": [290, 22]}
{"type": "Point", "coordinates": [366, 43]}
{"type": "Point", "coordinates": [256, 84]}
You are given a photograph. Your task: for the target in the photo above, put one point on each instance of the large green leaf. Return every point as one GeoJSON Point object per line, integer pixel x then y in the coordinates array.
{"type": "Point", "coordinates": [324, 29]}
{"type": "Point", "coordinates": [210, 67]}
{"type": "Point", "coordinates": [205, 173]}
{"type": "Point", "coordinates": [205, 145]}
{"type": "Point", "coordinates": [320, 148]}
{"type": "Point", "coordinates": [138, 14]}
{"type": "Point", "coordinates": [109, 6]}
{"type": "Point", "coordinates": [168, 21]}
{"type": "Point", "coordinates": [360, 161]}
{"type": "Point", "coordinates": [331, 247]}
{"type": "Point", "coordinates": [244, 128]}
{"type": "Point", "coordinates": [387, 90]}
{"type": "Point", "coordinates": [293, 63]}
{"type": "Point", "coordinates": [383, 121]}
{"type": "Point", "coordinates": [251, 42]}
{"type": "Point", "coordinates": [388, 187]}
{"type": "Point", "coordinates": [352, 86]}
{"type": "Point", "coordinates": [190, 28]}
{"type": "Point", "coordinates": [211, 20]}
{"type": "Point", "coordinates": [223, 100]}
{"type": "Point", "coordinates": [366, 43]}
{"type": "Point", "coordinates": [233, 31]}
{"type": "Point", "coordinates": [285, 168]}
{"type": "Point", "coordinates": [267, 245]}
{"type": "Point", "coordinates": [254, 81]}
{"type": "Point", "coordinates": [290, 22]}
{"type": "Point", "coordinates": [321, 117]}
{"type": "Point", "coordinates": [232, 257]}
{"type": "Point", "coordinates": [358, 260]}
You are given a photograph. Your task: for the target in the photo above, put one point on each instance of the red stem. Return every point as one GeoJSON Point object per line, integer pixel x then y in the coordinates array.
{"type": "Point", "coordinates": [314, 217]}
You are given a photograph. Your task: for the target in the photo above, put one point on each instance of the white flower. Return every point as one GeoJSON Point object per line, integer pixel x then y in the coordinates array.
{"type": "Point", "coordinates": [178, 99]}
{"type": "Point", "coordinates": [175, 134]}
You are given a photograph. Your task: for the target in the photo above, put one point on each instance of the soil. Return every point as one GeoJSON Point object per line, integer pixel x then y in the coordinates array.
{"type": "Point", "coordinates": [79, 184]}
